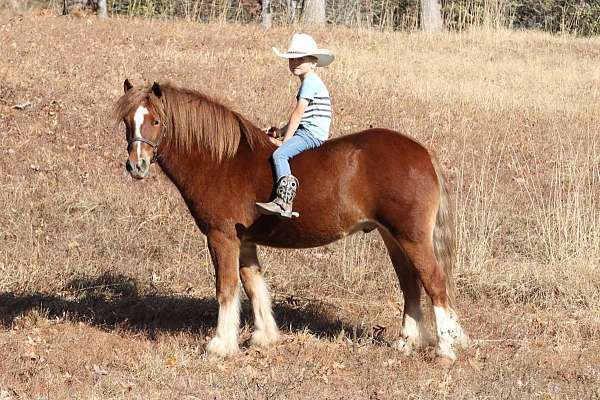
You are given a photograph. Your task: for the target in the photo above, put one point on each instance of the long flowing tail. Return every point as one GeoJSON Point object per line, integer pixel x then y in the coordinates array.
{"type": "Point", "coordinates": [443, 233]}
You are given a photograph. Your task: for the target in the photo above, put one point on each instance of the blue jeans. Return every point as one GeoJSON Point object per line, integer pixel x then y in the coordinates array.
{"type": "Point", "coordinates": [301, 141]}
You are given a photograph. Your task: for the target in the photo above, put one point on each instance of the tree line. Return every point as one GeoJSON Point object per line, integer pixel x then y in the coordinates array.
{"type": "Point", "coordinates": [580, 17]}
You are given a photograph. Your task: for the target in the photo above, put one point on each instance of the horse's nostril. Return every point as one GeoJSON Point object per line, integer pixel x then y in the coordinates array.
{"type": "Point", "coordinates": [143, 164]}
{"type": "Point", "coordinates": [128, 166]}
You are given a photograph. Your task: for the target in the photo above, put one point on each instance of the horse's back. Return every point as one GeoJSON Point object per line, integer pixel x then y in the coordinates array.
{"type": "Point", "coordinates": [375, 147]}
{"type": "Point", "coordinates": [374, 163]}
{"type": "Point", "coordinates": [354, 182]}
{"type": "Point", "coordinates": [395, 170]}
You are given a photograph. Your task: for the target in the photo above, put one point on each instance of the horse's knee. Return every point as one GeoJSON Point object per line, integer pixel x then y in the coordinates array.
{"type": "Point", "coordinates": [227, 294]}
{"type": "Point", "coordinates": [248, 276]}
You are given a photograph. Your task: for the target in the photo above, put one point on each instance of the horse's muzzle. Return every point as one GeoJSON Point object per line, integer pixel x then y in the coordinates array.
{"type": "Point", "coordinates": [138, 169]}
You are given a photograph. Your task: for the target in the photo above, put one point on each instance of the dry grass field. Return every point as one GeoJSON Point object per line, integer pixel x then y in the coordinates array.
{"type": "Point", "coordinates": [106, 287]}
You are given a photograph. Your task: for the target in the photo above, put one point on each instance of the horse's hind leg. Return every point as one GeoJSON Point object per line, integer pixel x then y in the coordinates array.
{"type": "Point", "coordinates": [265, 327]}
{"type": "Point", "coordinates": [434, 280]}
{"type": "Point", "coordinates": [414, 334]}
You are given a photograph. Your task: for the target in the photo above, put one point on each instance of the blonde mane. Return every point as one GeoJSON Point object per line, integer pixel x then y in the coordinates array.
{"type": "Point", "coordinates": [191, 120]}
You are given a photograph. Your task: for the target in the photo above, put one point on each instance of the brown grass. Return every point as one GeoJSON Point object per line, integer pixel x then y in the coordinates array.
{"type": "Point", "coordinates": [106, 285]}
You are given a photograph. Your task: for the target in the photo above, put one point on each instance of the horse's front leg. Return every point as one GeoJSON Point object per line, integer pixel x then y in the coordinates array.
{"type": "Point", "coordinates": [265, 327]}
{"type": "Point", "coordinates": [224, 251]}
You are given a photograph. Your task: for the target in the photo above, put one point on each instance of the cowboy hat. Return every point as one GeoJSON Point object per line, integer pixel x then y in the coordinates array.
{"type": "Point", "coordinates": [302, 45]}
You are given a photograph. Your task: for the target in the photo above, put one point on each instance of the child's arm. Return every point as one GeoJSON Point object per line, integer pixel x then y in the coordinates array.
{"type": "Point", "coordinates": [295, 119]}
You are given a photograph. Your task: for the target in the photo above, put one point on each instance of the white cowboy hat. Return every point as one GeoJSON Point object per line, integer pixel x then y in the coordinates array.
{"type": "Point", "coordinates": [302, 45]}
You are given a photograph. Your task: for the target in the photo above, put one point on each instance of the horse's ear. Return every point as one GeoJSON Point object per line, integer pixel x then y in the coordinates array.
{"type": "Point", "coordinates": [156, 89]}
{"type": "Point", "coordinates": [127, 85]}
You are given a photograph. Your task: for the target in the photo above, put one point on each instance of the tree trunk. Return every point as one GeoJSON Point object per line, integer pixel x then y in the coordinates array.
{"type": "Point", "coordinates": [292, 5]}
{"type": "Point", "coordinates": [314, 12]}
{"type": "Point", "coordinates": [13, 5]}
{"type": "Point", "coordinates": [267, 16]}
{"type": "Point", "coordinates": [431, 16]}
{"type": "Point", "coordinates": [102, 11]}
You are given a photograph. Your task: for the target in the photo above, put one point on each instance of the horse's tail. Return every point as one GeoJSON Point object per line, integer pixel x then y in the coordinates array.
{"type": "Point", "coordinates": [444, 244]}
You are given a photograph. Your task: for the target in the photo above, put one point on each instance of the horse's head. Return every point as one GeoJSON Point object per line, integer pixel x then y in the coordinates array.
{"type": "Point", "coordinates": [143, 133]}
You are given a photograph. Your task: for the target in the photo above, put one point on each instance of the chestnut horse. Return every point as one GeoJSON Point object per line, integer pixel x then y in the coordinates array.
{"type": "Point", "coordinates": [375, 179]}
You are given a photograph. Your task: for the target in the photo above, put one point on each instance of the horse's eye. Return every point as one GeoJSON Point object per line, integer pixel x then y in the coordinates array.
{"type": "Point", "coordinates": [156, 123]}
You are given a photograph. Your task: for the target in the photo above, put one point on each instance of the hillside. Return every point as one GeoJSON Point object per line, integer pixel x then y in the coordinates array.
{"type": "Point", "coordinates": [106, 286]}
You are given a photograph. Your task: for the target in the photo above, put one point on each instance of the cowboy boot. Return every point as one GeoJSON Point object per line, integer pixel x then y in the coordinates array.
{"type": "Point", "coordinates": [282, 204]}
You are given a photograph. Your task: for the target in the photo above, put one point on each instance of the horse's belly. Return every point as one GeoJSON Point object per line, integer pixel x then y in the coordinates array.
{"type": "Point", "coordinates": [297, 242]}
{"type": "Point", "coordinates": [293, 234]}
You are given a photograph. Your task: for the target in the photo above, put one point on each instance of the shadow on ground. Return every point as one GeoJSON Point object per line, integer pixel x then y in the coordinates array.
{"type": "Point", "coordinates": [114, 302]}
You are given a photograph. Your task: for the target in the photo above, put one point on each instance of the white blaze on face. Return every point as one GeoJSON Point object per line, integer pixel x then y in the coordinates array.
{"type": "Point", "coordinates": [138, 119]}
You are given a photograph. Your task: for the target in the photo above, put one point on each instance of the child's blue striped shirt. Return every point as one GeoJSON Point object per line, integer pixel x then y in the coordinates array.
{"type": "Point", "coordinates": [317, 116]}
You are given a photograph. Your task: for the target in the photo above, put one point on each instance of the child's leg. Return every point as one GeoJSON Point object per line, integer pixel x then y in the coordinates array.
{"type": "Point", "coordinates": [287, 184]}
{"type": "Point", "coordinates": [292, 147]}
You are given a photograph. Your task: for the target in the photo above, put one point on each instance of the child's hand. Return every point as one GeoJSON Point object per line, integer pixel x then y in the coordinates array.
{"type": "Point", "coordinates": [276, 142]}
{"type": "Point", "coordinates": [271, 131]}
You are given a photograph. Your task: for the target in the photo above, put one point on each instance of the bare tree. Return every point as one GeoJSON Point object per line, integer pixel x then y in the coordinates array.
{"type": "Point", "coordinates": [102, 10]}
{"type": "Point", "coordinates": [431, 16]}
{"type": "Point", "coordinates": [292, 5]}
{"type": "Point", "coordinates": [313, 12]}
{"type": "Point", "coordinates": [13, 5]}
{"type": "Point", "coordinates": [266, 14]}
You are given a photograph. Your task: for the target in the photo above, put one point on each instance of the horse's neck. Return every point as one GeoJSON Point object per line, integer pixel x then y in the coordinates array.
{"type": "Point", "coordinates": [188, 170]}
{"type": "Point", "coordinates": [207, 185]}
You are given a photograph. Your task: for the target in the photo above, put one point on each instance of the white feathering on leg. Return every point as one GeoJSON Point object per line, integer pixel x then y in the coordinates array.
{"type": "Point", "coordinates": [266, 331]}
{"type": "Point", "coordinates": [414, 335]}
{"type": "Point", "coordinates": [225, 341]}
{"type": "Point", "coordinates": [449, 332]}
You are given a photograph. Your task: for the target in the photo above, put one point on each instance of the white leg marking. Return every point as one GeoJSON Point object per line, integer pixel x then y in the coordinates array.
{"type": "Point", "coordinates": [266, 331]}
{"type": "Point", "coordinates": [138, 118]}
{"type": "Point", "coordinates": [411, 327]}
{"type": "Point", "coordinates": [414, 334]}
{"type": "Point", "coordinates": [448, 331]}
{"type": "Point", "coordinates": [225, 341]}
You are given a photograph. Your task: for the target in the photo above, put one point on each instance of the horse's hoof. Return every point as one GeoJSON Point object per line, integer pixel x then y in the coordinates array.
{"type": "Point", "coordinates": [445, 352]}
{"type": "Point", "coordinates": [445, 362]}
{"type": "Point", "coordinates": [407, 344]}
{"type": "Point", "coordinates": [404, 345]}
{"type": "Point", "coordinates": [221, 348]}
{"type": "Point", "coordinates": [264, 339]}
{"type": "Point", "coordinates": [463, 340]}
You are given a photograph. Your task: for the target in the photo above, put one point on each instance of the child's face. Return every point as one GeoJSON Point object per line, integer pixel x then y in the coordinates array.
{"type": "Point", "coordinates": [301, 66]}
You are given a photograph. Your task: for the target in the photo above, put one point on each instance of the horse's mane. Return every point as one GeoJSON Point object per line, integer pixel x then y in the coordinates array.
{"type": "Point", "coordinates": [191, 119]}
